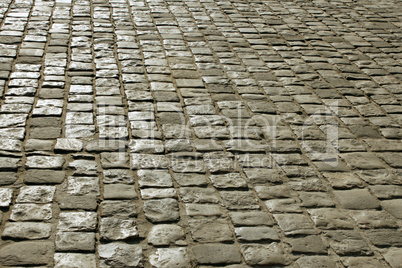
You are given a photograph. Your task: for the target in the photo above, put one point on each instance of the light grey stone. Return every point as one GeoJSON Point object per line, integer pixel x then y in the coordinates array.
{"type": "Point", "coordinates": [6, 195]}
{"type": "Point", "coordinates": [27, 230]}
{"type": "Point", "coordinates": [77, 221]}
{"type": "Point", "coordinates": [81, 186]}
{"type": "Point", "coordinates": [154, 178]}
{"type": "Point", "coordinates": [31, 212]}
{"type": "Point", "coordinates": [166, 234]}
{"type": "Point", "coordinates": [73, 260]}
{"type": "Point", "coordinates": [161, 210]}
{"type": "Point", "coordinates": [45, 162]}
{"type": "Point", "coordinates": [257, 254]}
{"type": "Point", "coordinates": [68, 145]}
{"type": "Point", "coordinates": [75, 241]}
{"type": "Point", "coordinates": [36, 194]}
{"type": "Point", "coordinates": [169, 257]}
{"type": "Point", "coordinates": [117, 229]}
{"type": "Point", "coordinates": [118, 254]}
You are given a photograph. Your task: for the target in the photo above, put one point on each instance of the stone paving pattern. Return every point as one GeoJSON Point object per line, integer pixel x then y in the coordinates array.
{"type": "Point", "coordinates": [201, 133]}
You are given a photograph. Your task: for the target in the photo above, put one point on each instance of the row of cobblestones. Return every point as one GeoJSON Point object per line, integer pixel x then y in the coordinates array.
{"type": "Point", "coordinates": [200, 133]}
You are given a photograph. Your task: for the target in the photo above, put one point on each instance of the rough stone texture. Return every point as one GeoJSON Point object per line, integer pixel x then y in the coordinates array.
{"type": "Point", "coordinates": [27, 230]}
{"type": "Point", "coordinates": [6, 195]}
{"type": "Point", "coordinates": [216, 254]}
{"type": "Point", "coordinates": [161, 210]}
{"type": "Point", "coordinates": [210, 229]}
{"type": "Point", "coordinates": [36, 194]}
{"type": "Point", "coordinates": [117, 229]}
{"type": "Point", "coordinates": [256, 254]}
{"type": "Point", "coordinates": [34, 176]}
{"type": "Point", "coordinates": [119, 254]}
{"type": "Point", "coordinates": [75, 241]}
{"type": "Point", "coordinates": [357, 199]}
{"type": "Point", "coordinates": [45, 162]}
{"type": "Point", "coordinates": [26, 253]}
{"type": "Point", "coordinates": [166, 234]}
{"type": "Point", "coordinates": [70, 260]}
{"type": "Point", "coordinates": [169, 257]}
{"type": "Point", "coordinates": [200, 133]}
{"type": "Point", "coordinates": [77, 221]}
{"type": "Point", "coordinates": [348, 243]}
{"type": "Point", "coordinates": [393, 256]}
{"type": "Point", "coordinates": [316, 261]}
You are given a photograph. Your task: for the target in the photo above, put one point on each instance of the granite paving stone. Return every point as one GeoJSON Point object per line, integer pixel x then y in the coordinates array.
{"type": "Point", "coordinates": [205, 134]}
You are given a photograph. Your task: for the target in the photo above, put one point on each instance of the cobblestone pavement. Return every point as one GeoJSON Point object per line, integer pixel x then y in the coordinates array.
{"type": "Point", "coordinates": [201, 133]}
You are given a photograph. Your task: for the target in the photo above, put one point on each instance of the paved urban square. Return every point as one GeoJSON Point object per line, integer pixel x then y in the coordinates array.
{"type": "Point", "coordinates": [201, 133]}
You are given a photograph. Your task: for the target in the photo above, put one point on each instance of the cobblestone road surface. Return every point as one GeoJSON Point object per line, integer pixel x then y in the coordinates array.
{"type": "Point", "coordinates": [201, 133]}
